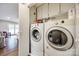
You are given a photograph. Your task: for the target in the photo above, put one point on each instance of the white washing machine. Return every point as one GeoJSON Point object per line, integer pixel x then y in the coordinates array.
{"type": "Point", "coordinates": [37, 39]}
{"type": "Point", "coordinates": [59, 37]}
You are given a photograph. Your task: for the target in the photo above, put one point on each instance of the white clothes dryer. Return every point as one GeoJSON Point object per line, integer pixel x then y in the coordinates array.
{"type": "Point", "coordinates": [37, 39]}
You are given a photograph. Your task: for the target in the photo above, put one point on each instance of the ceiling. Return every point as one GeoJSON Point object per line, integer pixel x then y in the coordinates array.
{"type": "Point", "coordinates": [9, 12]}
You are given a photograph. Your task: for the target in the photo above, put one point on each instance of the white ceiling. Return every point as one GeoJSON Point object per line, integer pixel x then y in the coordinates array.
{"type": "Point", "coordinates": [9, 12]}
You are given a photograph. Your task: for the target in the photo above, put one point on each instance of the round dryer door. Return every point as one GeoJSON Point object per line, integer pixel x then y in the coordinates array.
{"type": "Point", "coordinates": [59, 38]}
{"type": "Point", "coordinates": [36, 34]}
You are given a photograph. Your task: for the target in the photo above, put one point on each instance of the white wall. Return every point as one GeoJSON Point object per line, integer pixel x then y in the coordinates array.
{"type": "Point", "coordinates": [4, 26]}
{"type": "Point", "coordinates": [77, 29]}
{"type": "Point", "coordinates": [24, 30]}
{"type": "Point", "coordinates": [9, 11]}
{"type": "Point", "coordinates": [32, 16]}
{"type": "Point", "coordinates": [51, 9]}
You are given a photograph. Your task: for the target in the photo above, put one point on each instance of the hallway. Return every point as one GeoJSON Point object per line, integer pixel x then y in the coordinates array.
{"type": "Point", "coordinates": [11, 48]}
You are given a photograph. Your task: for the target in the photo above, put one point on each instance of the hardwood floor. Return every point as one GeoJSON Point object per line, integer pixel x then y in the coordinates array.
{"type": "Point", "coordinates": [11, 48]}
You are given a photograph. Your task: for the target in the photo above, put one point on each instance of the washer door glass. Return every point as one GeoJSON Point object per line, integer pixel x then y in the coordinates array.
{"type": "Point", "coordinates": [57, 37]}
{"type": "Point", "coordinates": [36, 35]}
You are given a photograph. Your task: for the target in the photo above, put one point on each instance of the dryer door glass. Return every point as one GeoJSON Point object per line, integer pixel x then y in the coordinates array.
{"type": "Point", "coordinates": [57, 37]}
{"type": "Point", "coordinates": [36, 35]}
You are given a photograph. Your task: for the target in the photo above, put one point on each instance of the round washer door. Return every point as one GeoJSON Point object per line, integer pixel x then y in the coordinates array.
{"type": "Point", "coordinates": [59, 38]}
{"type": "Point", "coordinates": [36, 34]}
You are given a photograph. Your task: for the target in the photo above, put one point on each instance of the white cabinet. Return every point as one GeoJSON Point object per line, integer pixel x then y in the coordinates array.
{"type": "Point", "coordinates": [53, 9]}
{"type": "Point", "coordinates": [66, 6]}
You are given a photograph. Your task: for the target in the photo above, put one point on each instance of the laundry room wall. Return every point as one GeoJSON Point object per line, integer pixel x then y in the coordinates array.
{"type": "Point", "coordinates": [66, 6]}
{"type": "Point", "coordinates": [46, 10]}
{"type": "Point", "coordinates": [54, 9]}
{"type": "Point", "coordinates": [32, 15]}
{"type": "Point", "coordinates": [24, 30]}
{"type": "Point", "coordinates": [77, 29]}
{"type": "Point", "coordinates": [42, 11]}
